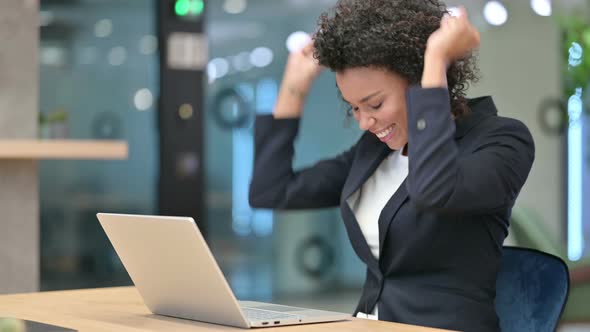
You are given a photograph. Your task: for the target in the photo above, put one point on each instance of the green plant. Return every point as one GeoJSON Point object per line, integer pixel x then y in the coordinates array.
{"type": "Point", "coordinates": [42, 118]}
{"type": "Point", "coordinates": [59, 115]}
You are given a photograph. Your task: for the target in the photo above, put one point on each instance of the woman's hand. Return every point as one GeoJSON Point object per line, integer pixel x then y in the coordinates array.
{"type": "Point", "coordinates": [454, 39]}
{"type": "Point", "coordinates": [300, 72]}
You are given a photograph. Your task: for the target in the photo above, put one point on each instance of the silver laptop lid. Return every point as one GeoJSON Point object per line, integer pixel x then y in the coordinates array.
{"type": "Point", "coordinates": [172, 267]}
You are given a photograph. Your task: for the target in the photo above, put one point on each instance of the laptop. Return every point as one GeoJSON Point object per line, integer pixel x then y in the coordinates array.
{"type": "Point", "coordinates": [176, 275]}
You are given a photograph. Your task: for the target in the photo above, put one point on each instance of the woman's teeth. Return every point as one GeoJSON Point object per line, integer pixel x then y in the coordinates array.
{"type": "Point", "coordinates": [384, 133]}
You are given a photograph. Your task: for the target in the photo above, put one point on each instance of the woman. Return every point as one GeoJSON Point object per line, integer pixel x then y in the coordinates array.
{"type": "Point", "coordinates": [426, 193]}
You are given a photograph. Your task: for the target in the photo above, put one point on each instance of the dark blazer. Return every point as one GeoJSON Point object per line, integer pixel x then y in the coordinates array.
{"type": "Point", "coordinates": [441, 233]}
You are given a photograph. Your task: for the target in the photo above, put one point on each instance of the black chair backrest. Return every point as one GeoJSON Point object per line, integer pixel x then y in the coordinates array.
{"type": "Point", "coordinates": [531, 290]}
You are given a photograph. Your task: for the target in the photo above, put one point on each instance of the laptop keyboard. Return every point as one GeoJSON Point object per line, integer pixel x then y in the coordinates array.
{"type": "Point", "coordinates": [255, 314]}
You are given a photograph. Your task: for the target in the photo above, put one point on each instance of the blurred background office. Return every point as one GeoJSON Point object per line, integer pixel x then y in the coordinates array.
{"type": "Point", "coordinates": [180, 81]}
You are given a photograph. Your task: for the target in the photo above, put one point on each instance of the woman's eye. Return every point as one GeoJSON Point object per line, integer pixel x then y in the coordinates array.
{"type": "Point", "coordinates": [376, 107]}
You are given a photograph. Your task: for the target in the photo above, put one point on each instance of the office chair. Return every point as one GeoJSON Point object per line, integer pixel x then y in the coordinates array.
{"type": "Point", "coordinates": [529, 230]}
{"type": "Point", "coordinates": [531, 290]}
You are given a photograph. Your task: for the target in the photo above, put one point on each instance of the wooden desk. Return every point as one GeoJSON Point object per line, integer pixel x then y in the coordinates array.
{"type": "Point", "coordinates": [121, 309]}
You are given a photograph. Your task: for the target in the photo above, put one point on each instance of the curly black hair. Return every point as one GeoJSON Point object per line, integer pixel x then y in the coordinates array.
{"type": "Point", "coordinates": [392, 35]}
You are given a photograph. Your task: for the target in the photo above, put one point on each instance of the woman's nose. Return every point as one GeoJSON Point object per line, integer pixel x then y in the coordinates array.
{"type": "Point", "coordinates": [365, 121]}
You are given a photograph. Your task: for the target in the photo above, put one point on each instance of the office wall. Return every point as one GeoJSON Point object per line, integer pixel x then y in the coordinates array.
{"type": "Point", "coordinates": [19, 226]}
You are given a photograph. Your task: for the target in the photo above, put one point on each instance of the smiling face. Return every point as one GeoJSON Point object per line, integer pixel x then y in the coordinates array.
{"type": "Point", "coordinates": [378, 101]}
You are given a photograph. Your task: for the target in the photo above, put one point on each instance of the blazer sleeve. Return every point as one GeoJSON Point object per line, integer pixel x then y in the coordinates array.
{"type": "Point", "coordinates": [486, 179]}
{"type": "Point", "coordinates": [275, 185]}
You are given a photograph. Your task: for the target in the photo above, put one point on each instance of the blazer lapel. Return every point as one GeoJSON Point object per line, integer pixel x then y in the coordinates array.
{"type": "Point", "coordinates": [359, 244]}
{"type": "Point", "coordinates": [389, 211]}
